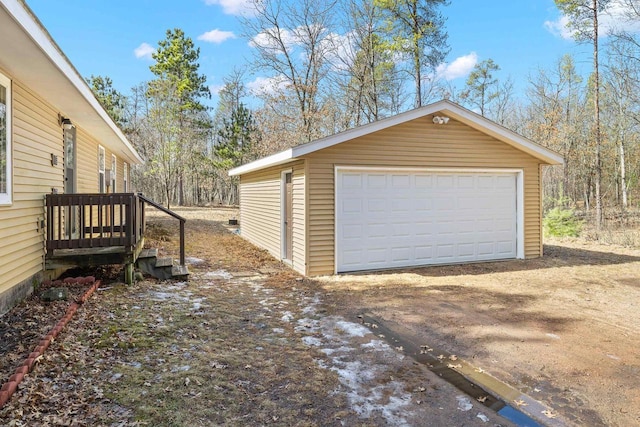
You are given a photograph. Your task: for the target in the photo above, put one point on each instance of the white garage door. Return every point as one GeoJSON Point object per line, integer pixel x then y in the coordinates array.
{"type": "Point", "coordinates": [405, 218]}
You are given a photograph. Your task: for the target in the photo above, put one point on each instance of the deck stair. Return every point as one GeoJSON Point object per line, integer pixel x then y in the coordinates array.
{"type": "Point", "coordinates": [160, 267]}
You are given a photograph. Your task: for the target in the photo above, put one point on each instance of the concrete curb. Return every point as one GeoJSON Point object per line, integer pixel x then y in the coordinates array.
{"type": "Point", "coordinates": [10, 387]}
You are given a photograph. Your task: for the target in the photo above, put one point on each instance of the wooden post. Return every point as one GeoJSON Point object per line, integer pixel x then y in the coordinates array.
{"type": "Point", "coordinates": [128, 273]}
{"type": "Point", "coordinates": [182, 257]}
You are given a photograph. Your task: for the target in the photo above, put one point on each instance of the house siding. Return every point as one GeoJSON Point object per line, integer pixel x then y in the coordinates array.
{"type": "Point", "coordinates": [261, 210]}
{"type": "Point", "coordinates": [36, 135]}
{"type": "Point", "coordinates": [417, 143]}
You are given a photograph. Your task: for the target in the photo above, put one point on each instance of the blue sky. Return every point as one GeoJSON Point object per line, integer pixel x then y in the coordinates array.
{"type": "Point", "coordinates": [114, 38]}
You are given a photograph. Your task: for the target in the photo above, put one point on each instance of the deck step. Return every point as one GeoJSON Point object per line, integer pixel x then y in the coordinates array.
{"type": "Point", "coordinates": [160, 267]}
{"type": "Point", "coordinates": [148, 253]}
{"type": "Point", "coordinates": [164, 262]}
{"type": "Point", "coordinates": [179, 272]}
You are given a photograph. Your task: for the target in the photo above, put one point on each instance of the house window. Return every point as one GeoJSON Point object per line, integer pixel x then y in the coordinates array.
{"type": "Point", "coordinates": [5, 140]}
{"type": "Point", "coordinates": [125, 178]}
{"type": "Point", "coordinates": [114, 165]}
{"type": "Point", "coordinates": [101, 168]}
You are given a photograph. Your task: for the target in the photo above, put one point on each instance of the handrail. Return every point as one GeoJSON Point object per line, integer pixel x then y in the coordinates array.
{"type": "Point", "coordinates": [173, 214]}
{"type": "Point", "coordinates": [162, 208]}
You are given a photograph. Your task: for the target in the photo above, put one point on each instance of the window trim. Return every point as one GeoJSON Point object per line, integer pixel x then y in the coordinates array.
{"type": "Point", "coordinates": [6, 199]}
{"type": "Point", "coordinates": [114, 169]}
{"type": "Point", "coordinates": [125, 177]}
{"type": "Point", "coordinates": [102, 183]}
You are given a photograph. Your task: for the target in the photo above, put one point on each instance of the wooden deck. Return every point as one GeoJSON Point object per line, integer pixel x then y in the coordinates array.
{"type": "Point", "coordinates": [98, 229]}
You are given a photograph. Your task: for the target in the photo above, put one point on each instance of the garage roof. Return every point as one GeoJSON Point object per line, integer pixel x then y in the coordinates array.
{"type": "Point", "coordinates": [31, 56]}
{"type": "Point", "coordinates": [444, 107]}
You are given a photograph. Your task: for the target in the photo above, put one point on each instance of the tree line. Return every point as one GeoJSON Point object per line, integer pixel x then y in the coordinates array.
{"type": "Point", "coordinates": [332, 71]}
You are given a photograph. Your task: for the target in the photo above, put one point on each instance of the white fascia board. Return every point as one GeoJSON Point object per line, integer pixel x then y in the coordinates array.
{"type": "Point", "coordinates": [263, 163]}
{"type": "Point", "coordinates": [367, 129]}
{"type": "Point", "coordinates": [503, 134]}
{"type": "Point", "coordinates": [444, 107]}
{"type": "Point", "coordinates": [36, 31]}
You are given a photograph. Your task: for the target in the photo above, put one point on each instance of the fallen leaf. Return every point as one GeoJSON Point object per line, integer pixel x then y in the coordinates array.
{"type": "Point", "coordinates": [520, 403]}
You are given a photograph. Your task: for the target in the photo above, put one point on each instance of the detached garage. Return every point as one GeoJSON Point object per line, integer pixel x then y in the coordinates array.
{"type": "Point", "coordinates": [435, 185]}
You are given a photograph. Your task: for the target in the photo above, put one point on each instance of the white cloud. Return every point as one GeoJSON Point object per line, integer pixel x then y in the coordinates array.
{"type": "Point", "coordinates": [269, 39]}
{"type": "Point", "coordinates": [614, 17]}
{"type": "Point", "coordinates": [235, 7]}
{"type": "Point", "coordinates": [460, 67]}
{"type": "Point", "coordinates": [215, 89]}
{"type": "Point", "coordinates": [267, 85]}
{"type": "Point", "coordinates": [144, 51]}
{"type": "Point", "coordinates": [216, 36]}
{"type": "Point", "coordinates": [559, 28]}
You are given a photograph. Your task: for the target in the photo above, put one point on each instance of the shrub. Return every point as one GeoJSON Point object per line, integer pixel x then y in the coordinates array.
{"type": "Point", "coordinates": [561, 222]}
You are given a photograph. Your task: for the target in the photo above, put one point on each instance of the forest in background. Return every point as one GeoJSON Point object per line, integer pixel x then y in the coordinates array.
{"type": "Point", "coordinates": [385, 62]}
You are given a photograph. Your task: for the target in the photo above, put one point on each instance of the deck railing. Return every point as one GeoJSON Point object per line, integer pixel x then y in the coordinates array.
{"type": "Point", "coordinates": [173, 214]}
{"type": "Point", "coordinates": [76, 221]}
{"type": "Point", "coordinates": [79, 221]}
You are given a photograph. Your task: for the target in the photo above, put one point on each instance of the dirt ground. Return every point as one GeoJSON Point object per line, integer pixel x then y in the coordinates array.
{"type": "Point", "coordinates": [564, 329]}
{"type": "Point", "coordinates": [245, 341]}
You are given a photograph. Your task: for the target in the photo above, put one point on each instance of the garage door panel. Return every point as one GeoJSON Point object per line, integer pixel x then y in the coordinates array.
{"type": "Point", "coordinates": [423, 181]}
{"type": "Point", "coordinates": [401, 254]}
{"type": "Point", "coordinates": [415, 218]}
{"type": "Point", "coordinates": [445, 182]}
{"type": "Point", "coordinates": [351, 181]}
{"type": "Point", "coordinates": [376, 181]}
{"type": "Point", "coordinates": [376, 205]}
{"type": "Point", "coordinates": [352, 206]}
{"type": "Point", "coordinates": [400, 181]}
{"type": "Point", "coordinates": [401, 204]}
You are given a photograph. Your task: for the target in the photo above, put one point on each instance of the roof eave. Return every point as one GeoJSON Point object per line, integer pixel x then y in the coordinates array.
{"type": "Point", "coordinates": [37, 61]}
{"type": "Point", "coordinates": [445, 107]}
{"type": "Point", "coordinates": [273, 160]}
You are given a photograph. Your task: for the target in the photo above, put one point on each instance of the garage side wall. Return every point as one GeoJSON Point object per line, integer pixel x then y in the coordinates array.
{"type": "Point", "coordinates": [261, 211]}
{"type": "Point", "coordinates": [422, 144]}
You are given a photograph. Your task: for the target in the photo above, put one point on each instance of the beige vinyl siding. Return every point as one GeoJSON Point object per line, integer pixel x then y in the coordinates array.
{"type": "Point", "coordinates": [36, 135]}
{"type": "Point", "coordinates": [87, 166]}
{"type": "Point", "coordinates": [87, 162]}
{"type": "Point", "coordinates": [418, 143]}
{"type": "Point", "coordinates": [261, 210]}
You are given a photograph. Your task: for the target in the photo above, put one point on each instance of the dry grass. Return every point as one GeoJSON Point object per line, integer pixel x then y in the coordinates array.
{"type": "Point", "coordinates": [210, 351]}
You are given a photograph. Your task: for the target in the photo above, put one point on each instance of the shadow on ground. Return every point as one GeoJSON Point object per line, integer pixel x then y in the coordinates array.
{"type": "Point", "coordinates": [554, 257]}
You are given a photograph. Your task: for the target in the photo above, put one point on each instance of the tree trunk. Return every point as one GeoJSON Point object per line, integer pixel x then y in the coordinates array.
{"type": "Point", "coordinates": [596, 102]}
{"type": "Point", "coordinates": [623, 176]}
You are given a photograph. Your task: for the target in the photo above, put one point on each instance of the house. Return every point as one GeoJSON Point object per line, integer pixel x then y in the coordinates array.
{"type": "Point", "coordinates": [55, 140]}
{"type": "Point", "coordinates": [435, 185]}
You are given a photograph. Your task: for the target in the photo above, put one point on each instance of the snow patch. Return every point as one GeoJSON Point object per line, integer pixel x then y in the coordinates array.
{"type": "Point", "coordinates": [338, 339]}
{"type": "Point", "coordinates": [312, 341]}
{"type": "Point", "coordinates": [353, 329]}
{"type": "Point", "coordinates": [287, 316]}
{"type": "Point", "coordinates": [222, 274]}
{"type": "Point", "coordinates": [464, 403]}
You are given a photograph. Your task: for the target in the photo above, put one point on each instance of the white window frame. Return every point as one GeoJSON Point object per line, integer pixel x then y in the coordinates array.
{"type": "Point", "coordinates": [125, 177]}
{"type": "Point", "coordinates": [114, 168]}
{"type": "Point", "coordinates": [102, 183]}
{"type": "Point", "coordinates": [283, 231]}
{"type": "Point", "coordinates": [6, 198]}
